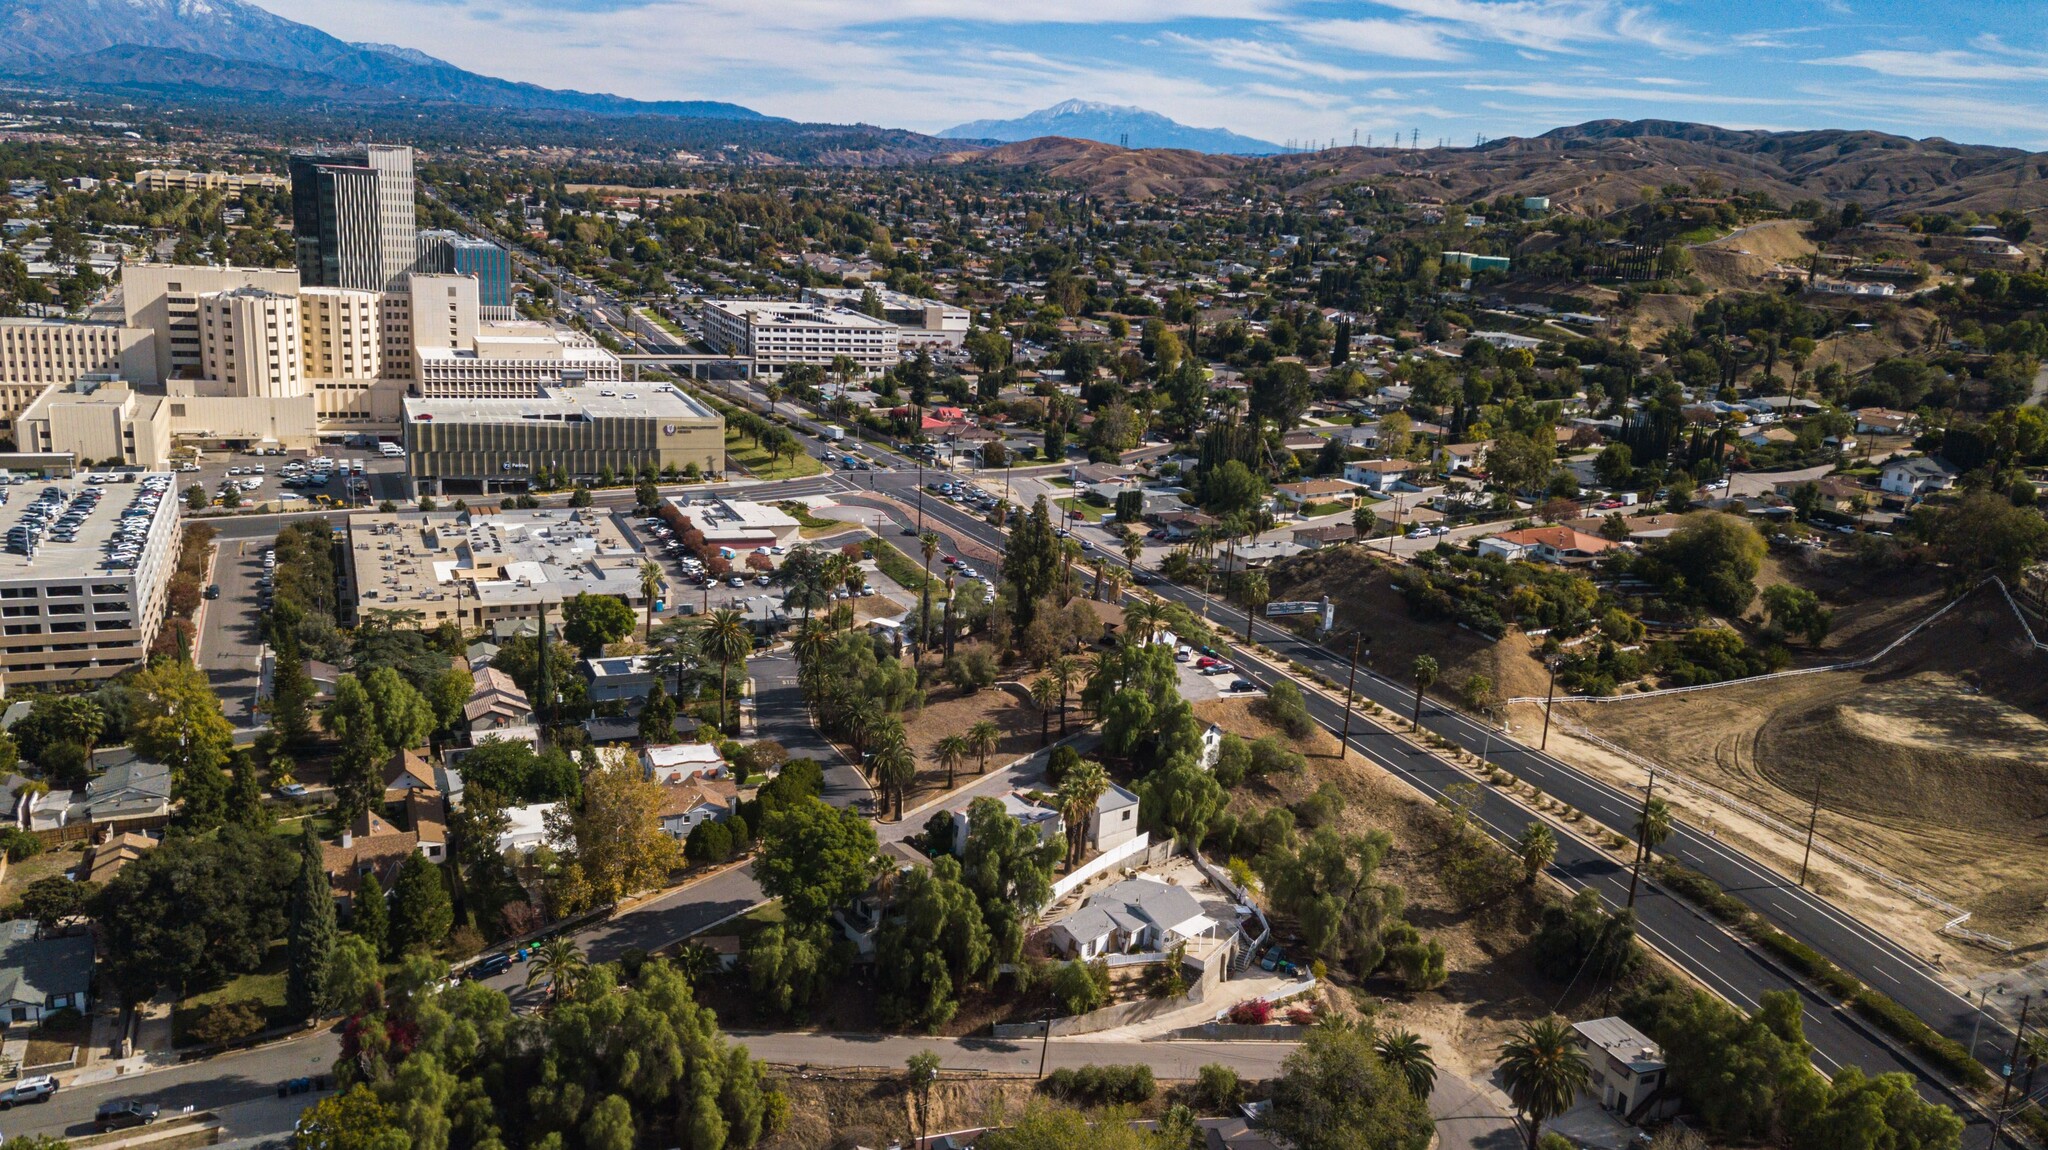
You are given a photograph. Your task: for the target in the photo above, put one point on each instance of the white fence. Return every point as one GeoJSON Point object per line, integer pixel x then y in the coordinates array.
{"type": "Point", "coordinates": [1114, 856]}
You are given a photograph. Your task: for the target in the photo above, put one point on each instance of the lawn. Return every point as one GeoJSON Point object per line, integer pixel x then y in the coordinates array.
{"type": "Point", "coordinates": [906, 571]}
{"type": "Point", "coordinates": [264, 985]}
{"type": "Point", "coordinates": [746, 455]}
{"type": "Point", "coordinates": [812, 526]}
{"type": "Point", "coordinates": [661, 321]}
{"type": "Point", "coordinates": [1089, 511]}
{"type": "Point", "coordinates": [53, 1042]}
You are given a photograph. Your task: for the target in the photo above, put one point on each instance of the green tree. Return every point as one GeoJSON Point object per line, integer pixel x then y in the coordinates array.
{"type": "Point", "coordinates": [1522, 462]}
{"type": "Point", "coordinates": [175, 719]}
{"type": "Point", "coordinates": [353, 1120]}
{"type": "Point", "coordinates": [1183, 799]}
{"type": "Point", "coordinates": [370, 914]}
{"type": "Point", "coordinates": [1424, 672]}
{"type": "Point", "coordinates": [725, 639]}
{"type": "Point", "coordinates": [1544, 1071]}
{"type": "Point", "coordinates": [420, 910]}
{"type": "Point", "coordinates": [49, 901]}
{"type": "Point", "coordinates": [1710, 559]}
{"type": "Point", "coordinates": [1406, 1054]}
{"type": "Point", "coordinates": [1081, 986]}
{"type": "Point", "coordinates": [1536, 848]}
{"type": "Point", "coordinates": [1335, 1093]}
{"type": "Point", "coordinates": [921, 1071]}
{"type": "Point", "coordinates": [1798, 611]}
{"type": "Point", "coordinates": [311, 934]}
{"type": "Point", "coordinates": [658, 716]}
{"type": "Point", "coordinates": [590, 621]}
{"type": "Point", "coordinates": [1252, 589]}
{"type": "Point", "coordinates": [558, 962]}
{"type": "Point", "coordinates": [1652, 827]}
{"type": "Point", "coordinates": [814, 858]}
{"type": "Point", "coordinates": [403, 716]}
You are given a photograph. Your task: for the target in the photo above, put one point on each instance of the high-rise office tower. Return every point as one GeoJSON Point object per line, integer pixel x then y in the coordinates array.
{"type": "Point", "coordinates": [352, 215]}
{"type": "Point", "coordinates": [452, 253]}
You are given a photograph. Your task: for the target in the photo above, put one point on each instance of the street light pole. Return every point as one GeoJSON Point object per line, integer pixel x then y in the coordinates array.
{"type": "Point", "coordinates": [1549, 694]}
{"type": "Point", "coordinates": [1344, 740]}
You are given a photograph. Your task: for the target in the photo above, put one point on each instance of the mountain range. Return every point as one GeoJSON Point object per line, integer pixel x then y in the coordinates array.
{"type": "Point", "coordinates": [1111, 124]}
{"type": "Point", "coordinates": [1595, 167]}
{"type": "Point", "coordinates": [235, 50]}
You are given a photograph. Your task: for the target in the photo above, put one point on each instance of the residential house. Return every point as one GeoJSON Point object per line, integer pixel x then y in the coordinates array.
{"type": "Point", "coordinates": [1462, 456]}
{"type": "Point", "coordinates": [1114, 821]}
{"type": "Point", "coordinates": [324, 677]}
{"type": "Point", "coordinates": [1254, 556]}
{"type": "Point", "coordinates": [1137, 914]}
{"type": "Point", "coordinates": [1628, 1072]}
{"type": "Point", "coordinates": [526, 829]}
{"type": "Point", "coordinates": [619, 679]}
{"type": "Point", "coordinates": [480, 654]}
{"type": "Point", "coordinates": [1028, 811]}
{"type": "Point", "coordinates": [39, 975]}
{"type": "Point", "coordinates": [1640, 528]}
{"type": "Point", "coordinates": [370, 845]}
{"type": "Point", "coordinates": [1324, 535]}
{"type": "Point", "coordinates": [1235, 1134]}
{"type": "Point", "coordinates": [1835, 492]}
{"type": "Point", "coordinates": [128, 794]}
{"type": "Point", "coordinates": [409, 773]}
{"type": "Point", "coordinates": [1382, 474]}
{"type": "Point", "coordinates": [1911, 479]}
{"type": "Point", "coordinates": [1885, 421]}
{"type": "Point", "coordinates": [860, 919]}
{"type": "Point", "coordinates": [497, 706]}
{"type": "Point", "coordinates": [688, 802]}
{"type": "Point", "coordinates": [678, 762]}
{"type": "Point", "coordinates": [1560, 545]}
{"type": "Point", "coordinates": [1307, 491]}
{"type": "Point", "coordinates": [110, 855]}
{"type": "Point", "coordinates": [1769, 436]}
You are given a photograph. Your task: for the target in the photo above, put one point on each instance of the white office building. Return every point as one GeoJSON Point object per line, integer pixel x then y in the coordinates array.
{"type": "Point", "coordinates": [926, 323]}
{"type": "Point", "coordinates": [778, 333]}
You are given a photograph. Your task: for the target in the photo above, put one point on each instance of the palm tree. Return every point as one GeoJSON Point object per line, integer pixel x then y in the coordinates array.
{"type": "Point", "coordinates": [677, 649]}
{"type": "Point", "coordinates": [1083, 786]}
{"type": "Point", "coordinates": [558, 960]}
{"type": "Point", "coordinates": [1254, 590]}
{"type": "Point", "coordinates": [1536, 847]}
{"type": "Point", "coordinates": [896, 767]}
{"type": "Point", "coordinates": [1064, 672]}
{"type": "Point", "coordinates": [810, 642]}
{"type": "Point", "coordinates": [1544, 1071]}
{"type": "Point", "coordinates": [1142, 620]}
{"type": "Point", "coordinates": [929, 544]}
{"type": "Point", "coordinates": [1134, 547]}
{"type": "Point", "coordinates": [652, 581]}
{"type": "Point", "coordinates": [952, 751]}
{"type": "Point", "coordinates": [1407, 1054]}
{"type": "Point", "coordinates": [983, 737]}
{"type": "Point", "coordinates": [1653, 826]}
{"type": "Point", "coordinates": [1424, 669]}
{"type": "Point", "coordinates": [1045, 693]}
{"type": "Point", "coordinates": [726, 639]}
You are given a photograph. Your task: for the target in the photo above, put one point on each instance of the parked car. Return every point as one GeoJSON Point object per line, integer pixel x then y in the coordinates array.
{"type": "Point", "coordinates": [1205, 662]}
{"type": "Point", "coordinates": [37, 1089]}
{"type": "Point", "coordinates": [292, 790]}
{"type": "Point", "coordinates": [738, 580]}
{"type": "Point", "coordinates": [1242, 685]}
{"type": "Point", "coordinates": [489, 965]}
{"type": "Point", "coordinates": [212, 591]}
{"type": "Point", "coordinates": [123, 1114]}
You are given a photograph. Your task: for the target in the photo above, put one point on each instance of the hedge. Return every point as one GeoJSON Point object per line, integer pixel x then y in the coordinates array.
{"type": "Point", "coordinates": [1937, 1048]}
{"type": "Point", "coordinates": [1809, 962]}
{"type": "Point", "coordinates": [1702, 890]}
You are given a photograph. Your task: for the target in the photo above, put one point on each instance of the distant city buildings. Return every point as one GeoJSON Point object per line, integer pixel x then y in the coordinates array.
{"type": "Point", "coordinates": [919, 322]}
{"type": "Point", "coordinates": [232, 184]}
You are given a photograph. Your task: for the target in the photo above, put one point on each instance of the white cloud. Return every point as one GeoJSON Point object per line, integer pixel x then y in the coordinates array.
{"type": "Point", "coordinates": [1549, 25]}
{"type": "Point", "coordinates": [1944, 66]}
{"type": "Point", "coordinates": [1399, 38]}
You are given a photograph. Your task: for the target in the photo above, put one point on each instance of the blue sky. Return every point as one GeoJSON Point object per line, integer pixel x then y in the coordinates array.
{"type": "Point", "coordinates": [1275, 69]}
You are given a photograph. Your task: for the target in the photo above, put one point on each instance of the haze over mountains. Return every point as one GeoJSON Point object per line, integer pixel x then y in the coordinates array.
{"type": "Point", "coordinates": [1111, 124]}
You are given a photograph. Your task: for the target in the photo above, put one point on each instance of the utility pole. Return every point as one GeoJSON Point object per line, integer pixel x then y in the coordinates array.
{"type": "Point", "coordinates": [2011, 1061]}
{"type": "Point", "coordinates": [1812, 821]}
{"type": "Point", "coordinates": [1344, 740]}
{"type": "Point", "coordinates": [1642, 838]}
{"type": "Point", "coordinates": [541, 641]}
{"type": "Point", "coordinates": [1548, 695]}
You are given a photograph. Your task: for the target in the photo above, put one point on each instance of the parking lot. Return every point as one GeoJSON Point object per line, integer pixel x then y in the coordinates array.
{"type": "Point", "coordinates": [1199, 683]}
{"type": "Point", "coordinates": [261, 478]}
{"type": "Point", "coordinates": [232, 638]}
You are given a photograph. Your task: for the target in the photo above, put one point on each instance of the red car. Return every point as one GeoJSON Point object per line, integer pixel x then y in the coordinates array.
{"type": "Point", "coordinates": [1204, 663]}
{"type": "Point", "coordinates": [950, 560]}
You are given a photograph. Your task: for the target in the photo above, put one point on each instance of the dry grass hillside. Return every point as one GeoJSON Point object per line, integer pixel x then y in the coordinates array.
{"type": "Point", "coordinates": [1932, 764]}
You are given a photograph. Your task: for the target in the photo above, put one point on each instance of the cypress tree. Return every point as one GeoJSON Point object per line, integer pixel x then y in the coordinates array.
{"type": "Point", "coordinates": [420, 913]}
{"type": "Point", "coordinates": [309, 941]}
{"type": "Point", "coordinates": [371, 920]}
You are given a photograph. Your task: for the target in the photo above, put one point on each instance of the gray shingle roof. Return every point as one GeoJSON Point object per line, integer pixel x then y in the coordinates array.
{"type": "Point", "coordinates": [35, 970]}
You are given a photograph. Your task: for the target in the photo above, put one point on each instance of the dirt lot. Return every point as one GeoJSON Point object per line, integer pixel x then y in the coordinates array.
{"type": "Point", "coordinates": [847, 1108]}
{"type": "Point", "coordinates": [1929, 765]}
{"type": "Point", "coordinates": [947, 712]}
{"type": "Point", "coordinates": [1492, 986]}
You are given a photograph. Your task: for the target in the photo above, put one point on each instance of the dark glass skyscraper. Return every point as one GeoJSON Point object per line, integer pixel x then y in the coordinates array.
{"type": "Point", "coordinates": [352, 215]}
{"type": "Point", "coordinates": [452, 253]}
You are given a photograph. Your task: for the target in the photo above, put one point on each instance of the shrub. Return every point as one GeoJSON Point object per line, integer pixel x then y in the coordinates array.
{"type": "Point", "coordinates": [1217, 1087]}
{"type": "Point", "coordinates": [1285, 709]}
{"type": "Point", "coordinates": [19, 844]}
{"type": "Point", "coordinates": [1101, 1085]}
{"type": "Point", "coordinates": [1701, 890]}
{"type": "Point", "coordinates": [1257, 1012]}
{"type": "Point", "coordinates": [1906, 1026]}
{"type": "Point", "coordinates": [1081, 986]}
{"type": "Point", "coordinates": [229, 1021]}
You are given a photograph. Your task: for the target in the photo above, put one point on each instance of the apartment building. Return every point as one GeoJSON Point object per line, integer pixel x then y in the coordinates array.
{"type": "Point", "coordinates": [488, 445]}
{"type": "Point", "coordinates": [184, 180]}
{"type": "Point", "coordinates": [927, 323]}
{"type": "Point", "coordinates": [99, 419]}
{"type": "Point", "coordinates": [777, 333]}
{"type": "Point", "coordinates": [83, 579]}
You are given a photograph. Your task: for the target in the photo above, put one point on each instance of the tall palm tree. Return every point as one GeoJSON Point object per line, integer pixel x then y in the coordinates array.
{"type": "Point", "coordinates": [726, 639]}
{"type": "Point", "coordinates": [929, 544]}
{"type": "Point", "coordinates": [652, 582]}
{"type": "Point", "coordinates": [1255, 591]}
{"type": "Point", "coordinates": [1134, 547]}
{"type": "Point", "coordinates": [896, 767]}
{"type": "Point", "coordinates": [677, 650]}
{"type": "Point", "coordinates": [558, 960]}
{"type": "Point", "coordinates": [1544, 1072]}
{"type": "Point", "coordinates": [810, 642]}
{"type": "Point", "coordinates": [1425, 671]}
{"type": "Point", "coordinates": [1045, 693]}
{"type": "Point", "coordinates": [862, 721]}
{"type": "Point", "coordinates": [952, 751]}
{"type": "Point", "coordinates": [1065, 671]}
{"type": "Point", "coordinates": [984, 737]}
{"type": "Point", "coordinates": [1142, 619]}
{"type": "Point", "coordinates": [1406, 1054]}
{"type": "Point", "coordinates": [1653, 826]}
{"type": "Point", "coordinates": [1084, 785]}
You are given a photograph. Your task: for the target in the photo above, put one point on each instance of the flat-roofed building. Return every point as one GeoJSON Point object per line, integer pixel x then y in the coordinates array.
{"type": "Point", "coordinates": [457, 354]}
{"type": "Point", "coordinates": [36, 354]}
{"type": "Point", "coordinates": [445, 252]}
{"type": "Point", "coordinates": [227, 183]}
{"type": "Point", "coordinates": [740, 524]}
{"type": "Point", "coordinates": [778, 333]}
{"type": "Point", "coordinates": [163, 299]}
{"type": "Point", "coordinates": [99, 419]}
{"type": "Point", "coordinates": [919, 322]}
{"type": "Point", "coordinates": [251, 344]}
{"type": "Point", "coordinates": [486, 445]}
{"type": "Point", "coordinates": [83, 578]}
{"type": "Point", "coordinates": [483, 568]}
